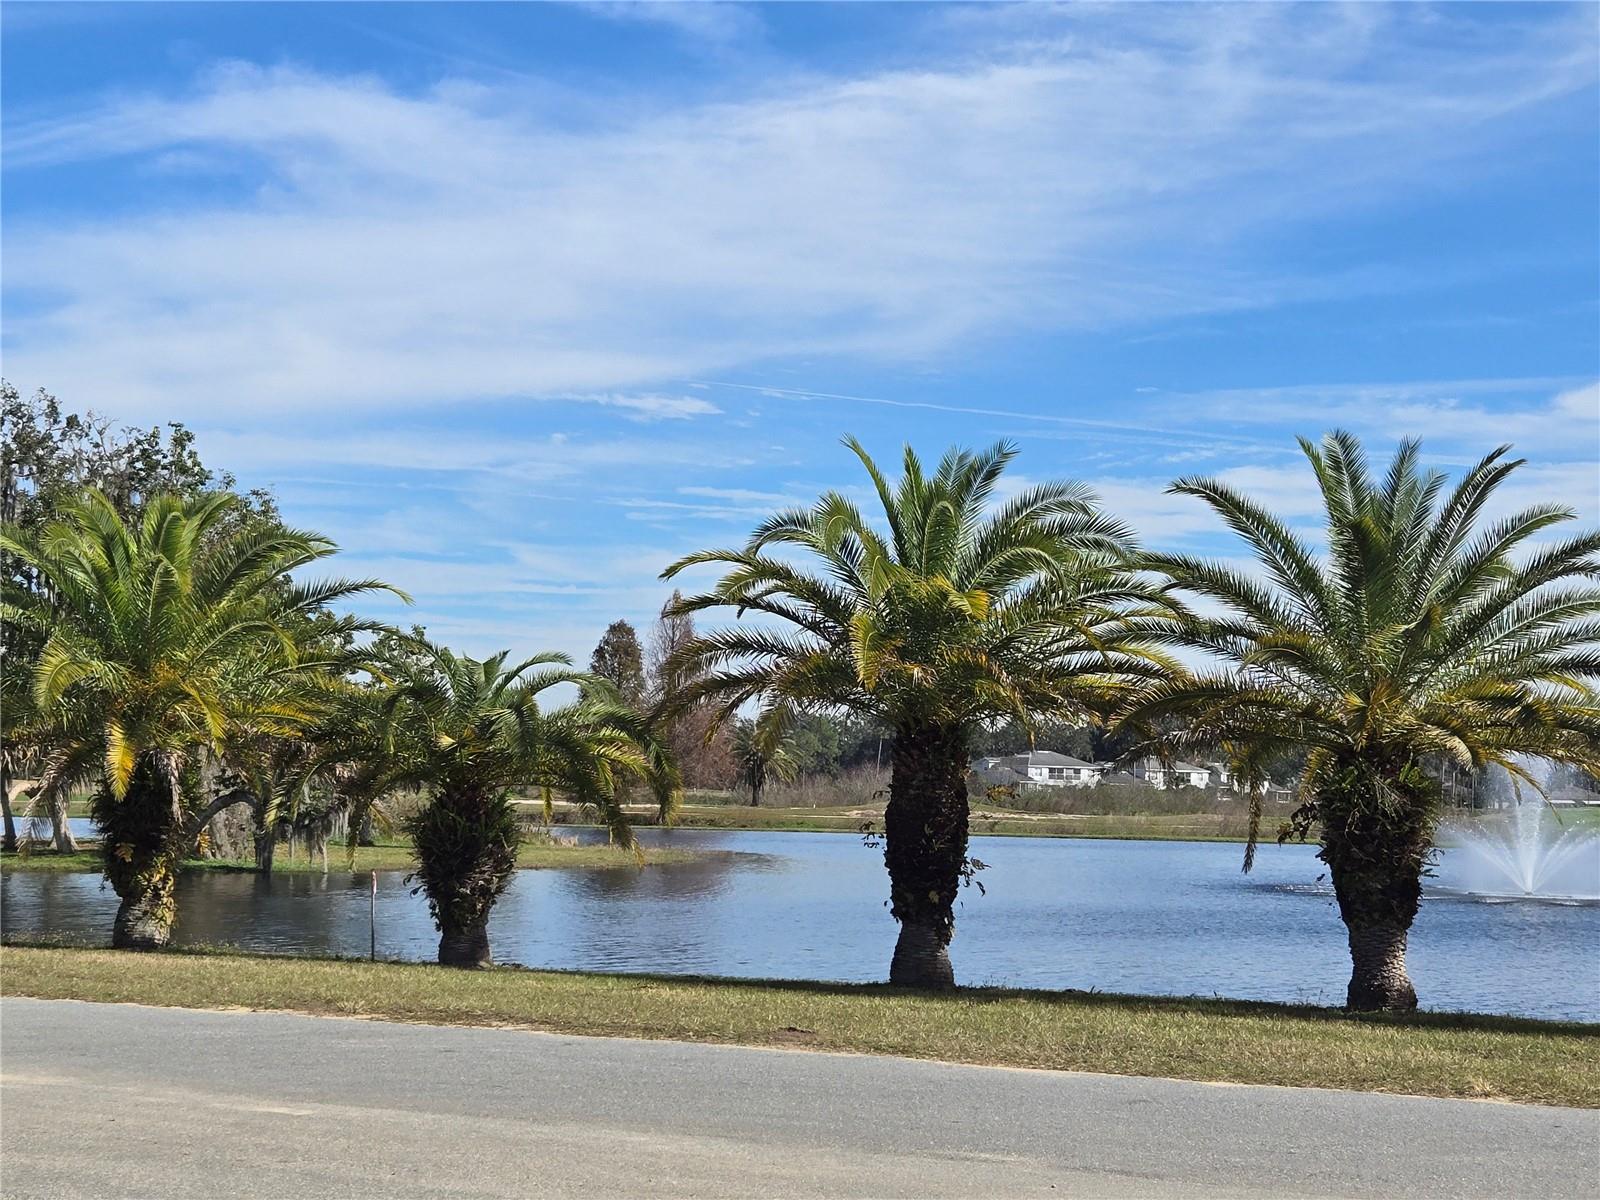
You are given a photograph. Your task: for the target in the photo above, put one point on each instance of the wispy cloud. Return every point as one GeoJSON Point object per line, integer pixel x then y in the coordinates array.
{"type": "Point", "coordinates": [1451, 416]}
{"type": "Point", "coordinates": [715, 21]}
{"type": "Point", "coordinates": [657, 408]}
{"type": "Point", "coordinates": [546, 340]}
{"type": "Point", "coordinates": [475, 241]}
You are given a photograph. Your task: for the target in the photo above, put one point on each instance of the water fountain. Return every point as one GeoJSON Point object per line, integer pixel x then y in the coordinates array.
{"type": "Point", "coordinates": [1527, 851]}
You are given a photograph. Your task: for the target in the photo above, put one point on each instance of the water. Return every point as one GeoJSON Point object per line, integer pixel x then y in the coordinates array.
{"type": "Point", "coordinates": [1528, 852]}
{"type": "Point", "coordinates": [38, 828]}
{"type": "Point", "coordinates": [1160, 917]}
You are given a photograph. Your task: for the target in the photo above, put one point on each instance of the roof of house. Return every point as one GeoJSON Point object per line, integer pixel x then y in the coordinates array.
{"type": "Point", "coordinates": [1049, 758]}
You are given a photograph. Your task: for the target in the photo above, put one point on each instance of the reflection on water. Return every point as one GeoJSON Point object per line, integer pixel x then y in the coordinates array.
{"type": "Point", "coordinates": [1159, 917]}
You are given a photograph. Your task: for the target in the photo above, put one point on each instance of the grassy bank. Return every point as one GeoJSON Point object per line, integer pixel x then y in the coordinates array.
{"type": "Point", "coordinates": [1194, 827]}
{"type": "Point", "coordinates": [533, 855]}
{"type": "Point", "coordinates": [1229, 826]}
{"type": "Point", "coordinates": [1438, 1055]}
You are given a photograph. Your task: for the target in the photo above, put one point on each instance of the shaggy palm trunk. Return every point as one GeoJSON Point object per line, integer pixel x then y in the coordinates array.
{"type": "Point", "coordinates": [925, 849]}
{"type": "Point", "coordinates": [10, 844]}
{"type": "Point", "coordinates": [60, 826]}
{"type": "Point", "coordinates": [141, 845]}
{"type": "Point", "coordinates": [266, 847]}
{"type": "Point", "coordinates": [466, 846]}
{"type": "Point", "coordinates": [1376, 866]}
{"type": "Point", "coordinates": [465, 945]}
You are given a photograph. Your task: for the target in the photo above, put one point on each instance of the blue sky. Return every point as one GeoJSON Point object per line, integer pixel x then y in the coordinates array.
{"type": "Point", "coordinates": [521, 302]}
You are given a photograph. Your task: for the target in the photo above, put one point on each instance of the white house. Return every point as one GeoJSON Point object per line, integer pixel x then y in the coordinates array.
{"type": "Point", "coordinates": [1178, 774]}
{"type": "Point", "coordinates": [1039, 768]}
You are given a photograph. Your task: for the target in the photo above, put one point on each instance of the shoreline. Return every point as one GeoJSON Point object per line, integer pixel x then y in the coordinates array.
{"type": "Point", "coordinates": [856, 822]}
{"type": "Point", "coordinates": [1429, 1053]}
{"type": "Point", "coordinates": [531, 856]}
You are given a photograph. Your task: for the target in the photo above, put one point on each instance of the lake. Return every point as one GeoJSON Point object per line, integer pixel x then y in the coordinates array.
{"type": "Point", "coordinates": [1175, 918]}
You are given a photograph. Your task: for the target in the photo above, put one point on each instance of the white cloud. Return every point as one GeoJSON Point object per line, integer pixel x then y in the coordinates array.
{"type": "Point", "coordinates": [715, 22]}
{"type": "Point", "coordinates": [651, 407]}
{"type": "Point", "coordinates": [516, 456]}
{"type": "Point", "coordinates": [1450, 416]}
{"type": "Point", "coordinates": [1290, 492]}
{"type": "Point", "coordinates": [491, 242]}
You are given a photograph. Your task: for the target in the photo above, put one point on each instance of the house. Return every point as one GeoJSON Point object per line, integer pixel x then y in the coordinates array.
{"type": "Point", "coordinates": [1174, 775]}
{"type": "Point", "coordinates": [1572, 797]}
{"type": "Point", "coordinates": [996, 775]}
{"type": "Point", "coordinates": [1038, 768]}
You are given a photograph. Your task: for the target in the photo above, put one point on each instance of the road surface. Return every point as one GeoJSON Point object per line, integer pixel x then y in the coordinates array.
{"type": "Point", "coordinates": [121, 1100]}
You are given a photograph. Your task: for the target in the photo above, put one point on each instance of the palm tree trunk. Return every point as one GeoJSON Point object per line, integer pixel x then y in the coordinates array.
{"type": "Point", "coordinates": [146, 915]}
{"type": "Point", "coordinates": [925, 849]}
{"type": "Point", "coordinates": [465, 945]}
{"type": "Point", "coordinates": [1378, 979]}
{"type": "Point", "coordinates": [60, 826]}
{"type": "Point", "coordinates": [921, 957]}
{"type": "Point", "coordinates": [1376, 863]}
{"type": "Point", "coordinates": [142, 841]}
{"type": "Point", "coordinates": [10, 844]}
{"type": "Point", "coordinates": [266, 846]}
{"type": "Point", "coordinates": [466, 846]}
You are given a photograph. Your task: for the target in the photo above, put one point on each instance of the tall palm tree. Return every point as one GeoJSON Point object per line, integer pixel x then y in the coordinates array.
{"type": "Point", "coordinates": [1424, 631]}
{"type": "Point", "coordinates": [762, 754]}
{"type": "Point", "coordinates": [160, 638]}
{"type": "Point", "coordinates": [468, 731]}
{"type": "Point", "coordinates": [965, 612]}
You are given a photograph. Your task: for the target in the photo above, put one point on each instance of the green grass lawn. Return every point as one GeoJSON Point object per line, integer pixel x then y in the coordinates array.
{"type": "Point", "coordinates": [984, 821]}
{"type": "Point", "coordinates": [533, 855]}
{"type": "Point", "coordinates": [1430, 1054]}
{"type": "Point", "coordinates": [987, 820]}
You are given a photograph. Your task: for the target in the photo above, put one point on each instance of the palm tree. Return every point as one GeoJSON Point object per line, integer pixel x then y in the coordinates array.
{"type": "Point", "coordinates": [276, 775]}
{"type": "Point", "coordinates": [468, 731]}
{"type": "Point", "coordinates": [762, 755]}
{"type": "Point", "coordinates": [962, 615]}
{"type": "Point", "coordinates": [24, 738]}
{"type": "Point", "coordinates": [160, 638]}
{"type": "Point", "coordinates": [1423, 632]}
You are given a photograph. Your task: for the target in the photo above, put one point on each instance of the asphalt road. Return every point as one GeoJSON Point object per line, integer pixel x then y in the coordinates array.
{"type": "Point", "coordinates": [120, 1100]}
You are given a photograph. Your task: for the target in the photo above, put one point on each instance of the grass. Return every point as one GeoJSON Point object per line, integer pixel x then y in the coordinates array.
{"type": "Point", "coordinates": [1587, 817]}
{"type": "Point", "coordinates": [987, 821]}
{"type": "Point", "coordinates": [533, 855]}
{"type": "Point", "coordinates": [1427, 1054]}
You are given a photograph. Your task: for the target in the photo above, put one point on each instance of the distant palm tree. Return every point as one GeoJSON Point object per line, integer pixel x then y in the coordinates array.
{"type": "Point", "coordinates": [967, 611]}
{"type": "Point", "coordinates": [160, 639]}
{"type": "Point", "coordinates": [288, 780]}
{"type": "Point", "coordinates": [469, 731]}
{"type": "Point", "coordinates": [1419, 634]}
{"type": "Point", "coordinates": [763, 756]}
